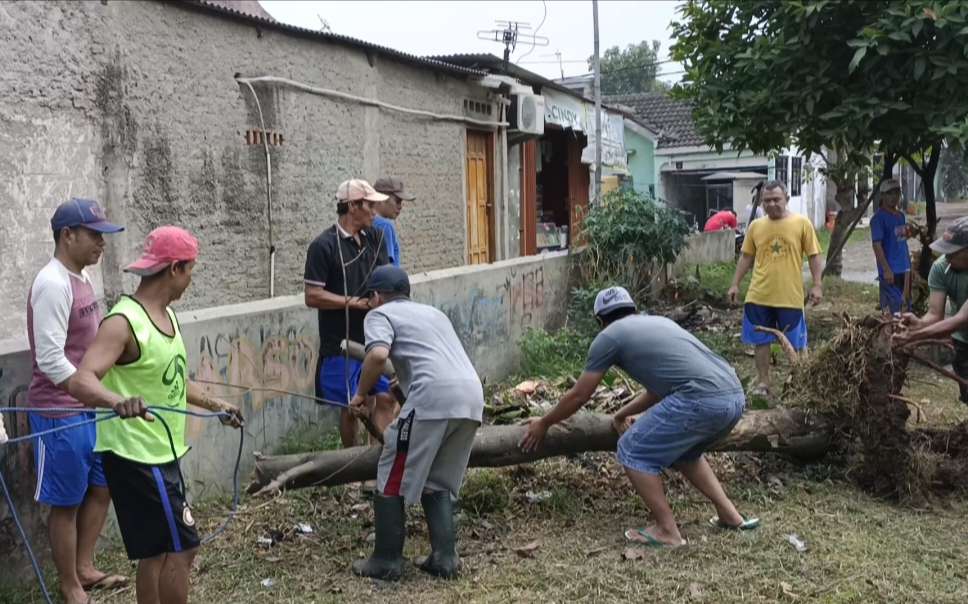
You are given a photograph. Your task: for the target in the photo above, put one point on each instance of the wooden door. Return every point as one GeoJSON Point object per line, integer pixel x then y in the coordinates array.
{"type": "Point", "coordinates": [578, 183]}
{"type": "Point", "coordinates": [529, 198]}
{"type": "Point", "coordinates": [479, 200]}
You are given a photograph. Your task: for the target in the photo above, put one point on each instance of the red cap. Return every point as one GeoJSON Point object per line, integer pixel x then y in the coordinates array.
{"type": "Point", "coordinates": [164, 246]}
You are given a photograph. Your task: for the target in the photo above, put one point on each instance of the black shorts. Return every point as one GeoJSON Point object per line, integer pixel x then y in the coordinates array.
{"type": "Point", "coordinates": [152, 512]}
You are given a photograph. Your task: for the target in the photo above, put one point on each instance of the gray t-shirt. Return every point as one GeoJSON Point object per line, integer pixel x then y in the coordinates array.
{"type": "Point", "coordinates": [434, 371]}
{"type": "Point", "coordinates": [663, 357]}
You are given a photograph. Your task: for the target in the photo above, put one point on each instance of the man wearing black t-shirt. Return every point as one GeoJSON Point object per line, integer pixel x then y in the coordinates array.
{"type": "Point", "coordinates": [338, 264]}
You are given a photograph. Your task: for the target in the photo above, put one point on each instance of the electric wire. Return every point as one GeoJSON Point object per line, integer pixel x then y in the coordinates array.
{"type": "Point", "coordinates": [108, 414]}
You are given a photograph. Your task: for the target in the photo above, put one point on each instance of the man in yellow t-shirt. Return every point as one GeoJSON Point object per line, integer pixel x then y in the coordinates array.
{"type": "Point", "coordinates": [774, 248]}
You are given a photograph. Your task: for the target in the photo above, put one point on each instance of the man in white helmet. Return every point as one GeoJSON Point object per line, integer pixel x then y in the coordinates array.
{"type": "Point", "coordinates": [692, 399]}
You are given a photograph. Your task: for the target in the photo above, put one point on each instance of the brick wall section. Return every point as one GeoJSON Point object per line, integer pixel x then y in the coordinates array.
{"type": "Point", "coordinates": [135, 104]}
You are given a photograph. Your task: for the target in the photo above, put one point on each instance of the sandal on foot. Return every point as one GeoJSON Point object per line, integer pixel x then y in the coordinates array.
{"type": "Point", "coordinates": [643, 537]}
{"type": "Point", "coordinates": [747, 524]}
{"type": "Point", "coordinates": [107, 582]}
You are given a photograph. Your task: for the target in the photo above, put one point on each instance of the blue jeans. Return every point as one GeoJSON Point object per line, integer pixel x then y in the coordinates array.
{"type": "Point", "coordinates": [679, 428]}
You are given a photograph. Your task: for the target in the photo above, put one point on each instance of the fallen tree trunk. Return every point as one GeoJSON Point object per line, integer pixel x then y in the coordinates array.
{"type": "Point", "coordinates": [787, 431]}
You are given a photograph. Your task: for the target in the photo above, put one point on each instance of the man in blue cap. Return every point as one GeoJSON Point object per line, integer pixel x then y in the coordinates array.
{"type": "Point", "coordinates": [427, 448]}
{"type": "Point", "coordinates": [63, 314]}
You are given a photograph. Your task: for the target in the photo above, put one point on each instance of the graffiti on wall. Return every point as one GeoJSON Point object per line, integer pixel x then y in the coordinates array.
{"type": "Point", "coordinates": [280, 362]}
{"type": "Point", "coordinates": [481, 317]}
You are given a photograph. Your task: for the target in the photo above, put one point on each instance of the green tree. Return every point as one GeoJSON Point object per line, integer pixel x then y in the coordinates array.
{"type": "Point", "coordinates": [630, 70]}
{"type": "Point", "coordinates": [850, 75]}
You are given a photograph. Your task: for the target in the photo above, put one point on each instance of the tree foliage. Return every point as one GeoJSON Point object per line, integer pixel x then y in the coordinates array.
{"type": "Point", "coordinates": [629, 70]}
{"type": "Point", "coordinates": [851, 75]}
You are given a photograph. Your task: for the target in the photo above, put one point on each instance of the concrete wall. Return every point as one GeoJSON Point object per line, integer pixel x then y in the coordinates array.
{"type": "Point", "coordinates": [135, 104]}
{"type": "Point", "coordinates": [273, 343]}
{"type": "Point", "coordinates": [706, 248]}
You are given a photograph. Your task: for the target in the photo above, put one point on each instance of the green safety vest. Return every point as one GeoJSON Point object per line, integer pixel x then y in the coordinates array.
{"type": "Point", "coordinates": [159, 376]}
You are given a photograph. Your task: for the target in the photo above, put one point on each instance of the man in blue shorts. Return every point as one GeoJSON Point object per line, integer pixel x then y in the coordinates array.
{"type": "Point", "coordinates": [63, 313]}
{"type": "Point", "coordinates": [889, 239]}
{"type": "Point", "coordinates": [774, 248]}
{"type": "Point", "coordinates": [338, 264]}
{"type": "Point", "coordinates": [692, 400]}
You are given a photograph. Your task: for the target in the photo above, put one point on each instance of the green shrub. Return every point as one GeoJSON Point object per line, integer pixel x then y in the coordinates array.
{"type": "Point", "coordinates": [629, 238]}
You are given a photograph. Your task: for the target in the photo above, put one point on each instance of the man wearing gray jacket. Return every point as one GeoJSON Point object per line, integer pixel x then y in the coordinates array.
{"type": "Point", "coordinates": [427, 448]}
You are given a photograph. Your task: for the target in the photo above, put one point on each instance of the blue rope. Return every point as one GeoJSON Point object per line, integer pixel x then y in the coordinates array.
{"type": "Point", "coordinates": [110, 414]}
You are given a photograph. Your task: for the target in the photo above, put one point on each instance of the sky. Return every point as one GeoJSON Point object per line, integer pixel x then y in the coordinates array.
{"type": "Point", "coordinates": [449, 27]}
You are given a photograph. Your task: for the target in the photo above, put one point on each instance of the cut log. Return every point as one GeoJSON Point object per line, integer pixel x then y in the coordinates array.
{"type": "Point", "coordinates": [787, 431]}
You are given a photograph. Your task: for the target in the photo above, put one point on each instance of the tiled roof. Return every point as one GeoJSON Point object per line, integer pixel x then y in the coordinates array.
{"type": "Point", "coordinates": [248, 7]}
{"type": "Point", "coordinates": [670, 118]}
{"type": "Point", "coordinates": [226, 10]}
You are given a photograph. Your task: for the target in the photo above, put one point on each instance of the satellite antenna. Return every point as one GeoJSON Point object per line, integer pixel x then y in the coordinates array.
{"type": "Point", "coordinates": [509, 34]}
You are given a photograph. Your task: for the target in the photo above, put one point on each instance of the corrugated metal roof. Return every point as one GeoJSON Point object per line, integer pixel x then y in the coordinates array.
{"type": "Point", "coordinates": [429, 63]}
{"type": "Point", "coordinates": [672, 118]}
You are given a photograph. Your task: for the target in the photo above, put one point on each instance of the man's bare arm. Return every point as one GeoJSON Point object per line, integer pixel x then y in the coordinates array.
{"type": "Point", "coordinates": [317, 297]}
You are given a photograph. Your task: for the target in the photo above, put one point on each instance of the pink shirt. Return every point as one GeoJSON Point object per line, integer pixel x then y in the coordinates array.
{"type": "Point", "coordinates": [63, 314]}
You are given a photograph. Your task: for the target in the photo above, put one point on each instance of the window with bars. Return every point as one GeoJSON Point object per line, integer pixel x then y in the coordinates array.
{"type": "Point", "coordinates": [796, 175]}
{"type": "Point", "coordinates": [782, 173]}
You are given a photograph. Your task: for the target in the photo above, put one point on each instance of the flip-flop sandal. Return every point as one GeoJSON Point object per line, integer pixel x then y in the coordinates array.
{"type": "Point", "coordinates": [747, 524]}
{"type": "Point", "coordinates": [643, 537]}
{"type": "Point", "coordinates": [108, 581]}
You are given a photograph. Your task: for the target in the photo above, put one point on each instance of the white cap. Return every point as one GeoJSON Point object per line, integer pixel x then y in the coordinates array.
{"type": "Point", "coordinates": [611, 298]}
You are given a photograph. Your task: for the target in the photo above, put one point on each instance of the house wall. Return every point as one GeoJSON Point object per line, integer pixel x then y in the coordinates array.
{"type": "Point", "coordinates": [700, 159]}
{"type": "Point", "coordinates": [135, 104]}
{"type": "Point", "coordinates": [642, 162]}
{"type": "Point", "coordinates": [273, 343]}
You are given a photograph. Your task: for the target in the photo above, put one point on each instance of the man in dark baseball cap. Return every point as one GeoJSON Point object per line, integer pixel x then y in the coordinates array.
{"type": "Point", "coordinates": [388, 211]}
{"type": "Point", "coordinates": [948, 281]}
{"type": "Point", "coordinates": [426, 450]}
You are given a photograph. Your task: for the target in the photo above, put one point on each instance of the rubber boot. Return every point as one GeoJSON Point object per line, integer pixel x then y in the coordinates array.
{"type": "Point", "coordinates": [391, 529]}
{"type": "Point", "coordinates": [439, 509]}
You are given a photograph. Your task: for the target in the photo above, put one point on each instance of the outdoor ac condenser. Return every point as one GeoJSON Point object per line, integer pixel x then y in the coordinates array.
{"type": "Point", "coordinates": [526, 113]}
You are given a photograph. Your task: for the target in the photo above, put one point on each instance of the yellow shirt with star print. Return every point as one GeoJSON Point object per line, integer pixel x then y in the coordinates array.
{"type": "Point", "coordinates": [778, 248]}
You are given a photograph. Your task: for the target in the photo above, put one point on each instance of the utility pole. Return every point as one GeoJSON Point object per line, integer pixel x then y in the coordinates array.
{"type": "Point", "coordinates": [598, 109]}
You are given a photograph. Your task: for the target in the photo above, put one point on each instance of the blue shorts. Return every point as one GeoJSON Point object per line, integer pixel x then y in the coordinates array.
{"type": "Point", "coordinates": [66, 462]}
{"type": "Point", "coordinates": [788, 320]}
{"type": "Point", "coordinates": [678, 429]}
{"type": "Point", "coordinates": [892, 295]}
{"type": "Point", "coordinates": [331, 379]}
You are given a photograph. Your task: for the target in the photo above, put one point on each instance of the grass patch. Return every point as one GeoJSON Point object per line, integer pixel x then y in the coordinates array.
{"type": "Point", "coordinates": [485, 491]}
{"type": "Point", "coordinates": [860, 549]}
{"type": "Point", "coordinates": [310, 437]}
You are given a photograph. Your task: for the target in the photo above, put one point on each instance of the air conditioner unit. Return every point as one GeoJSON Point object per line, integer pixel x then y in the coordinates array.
{"type": "Point", "coordinates": [526, 113]}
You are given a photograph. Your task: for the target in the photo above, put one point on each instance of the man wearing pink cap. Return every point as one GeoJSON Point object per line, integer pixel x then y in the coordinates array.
{"type": "Point", "coordinates": [138, 359]}
{"type": "Point", "coordinates": [338, 265]}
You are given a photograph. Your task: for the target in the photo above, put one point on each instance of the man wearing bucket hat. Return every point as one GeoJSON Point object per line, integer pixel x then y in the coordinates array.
{"type": "Point", "coordinates": [63, 312]}
{"type": "Point", "coordinates": [889, 239]}
{"type": "Point", "coordinates": [138, 359]}
{"type": "Point", "coordinates": [426, 450]}
{"type": "Point", "coordinates": [948, 282]}
{"type": "Point", "coordinates": [692, 399]}
{"type": "Point", "coordinates": [388, 211]}
{"type": "Point", "coordinates": [338, 263]}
